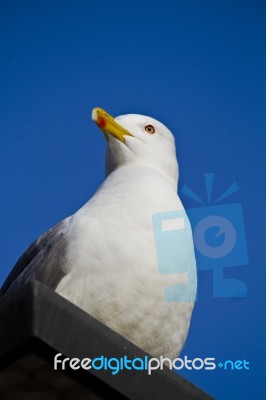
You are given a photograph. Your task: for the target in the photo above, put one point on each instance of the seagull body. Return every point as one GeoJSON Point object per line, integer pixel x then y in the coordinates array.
{"type": "Point", "coordinates": [103, 258]}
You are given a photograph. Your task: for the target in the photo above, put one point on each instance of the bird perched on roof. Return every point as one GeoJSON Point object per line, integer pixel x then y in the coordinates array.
{"type": "Point", "coordinates": [105, 258]}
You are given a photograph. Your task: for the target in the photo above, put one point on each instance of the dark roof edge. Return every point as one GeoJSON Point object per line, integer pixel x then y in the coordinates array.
{"type": "Point", "coordinates": [35, 311]}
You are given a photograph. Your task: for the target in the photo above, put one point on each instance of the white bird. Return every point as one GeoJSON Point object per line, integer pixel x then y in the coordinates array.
{"type": "Point", "coordinates": [104, 257]}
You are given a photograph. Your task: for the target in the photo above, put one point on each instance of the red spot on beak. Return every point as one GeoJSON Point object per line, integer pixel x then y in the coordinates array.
{"type": "Point", "coordinates": [101, 122]}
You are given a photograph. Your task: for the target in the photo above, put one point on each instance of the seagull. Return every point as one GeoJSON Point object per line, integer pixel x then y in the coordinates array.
{"type": "Point", "coordinates": [105, 257]}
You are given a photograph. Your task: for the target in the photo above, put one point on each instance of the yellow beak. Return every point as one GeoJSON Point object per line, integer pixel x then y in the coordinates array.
{"type": "Point", "coordinates": [108, 125]}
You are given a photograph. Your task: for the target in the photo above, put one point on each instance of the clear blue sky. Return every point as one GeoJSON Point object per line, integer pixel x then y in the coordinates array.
{"type": "Point", "coordinates": [199, 67]}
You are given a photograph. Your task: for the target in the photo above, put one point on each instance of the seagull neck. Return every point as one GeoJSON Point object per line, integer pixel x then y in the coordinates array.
{"type": "Point", "coordinates": [143, 172]}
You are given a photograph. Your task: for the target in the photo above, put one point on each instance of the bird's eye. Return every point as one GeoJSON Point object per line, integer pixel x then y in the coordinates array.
{"type": "Point", "coordinates": [150, 129]}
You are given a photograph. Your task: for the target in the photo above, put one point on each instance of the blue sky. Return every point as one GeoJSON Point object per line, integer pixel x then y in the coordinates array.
{"type": "Point", "coordinates": [199, 67]}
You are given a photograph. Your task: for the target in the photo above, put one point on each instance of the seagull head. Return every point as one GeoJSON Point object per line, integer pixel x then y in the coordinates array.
{"type": "Point", "coordinates": [137, 140]}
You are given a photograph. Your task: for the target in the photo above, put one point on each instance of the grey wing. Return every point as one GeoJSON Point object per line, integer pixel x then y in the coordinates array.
{"type": "Point", "coordinates": [44, 260]}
